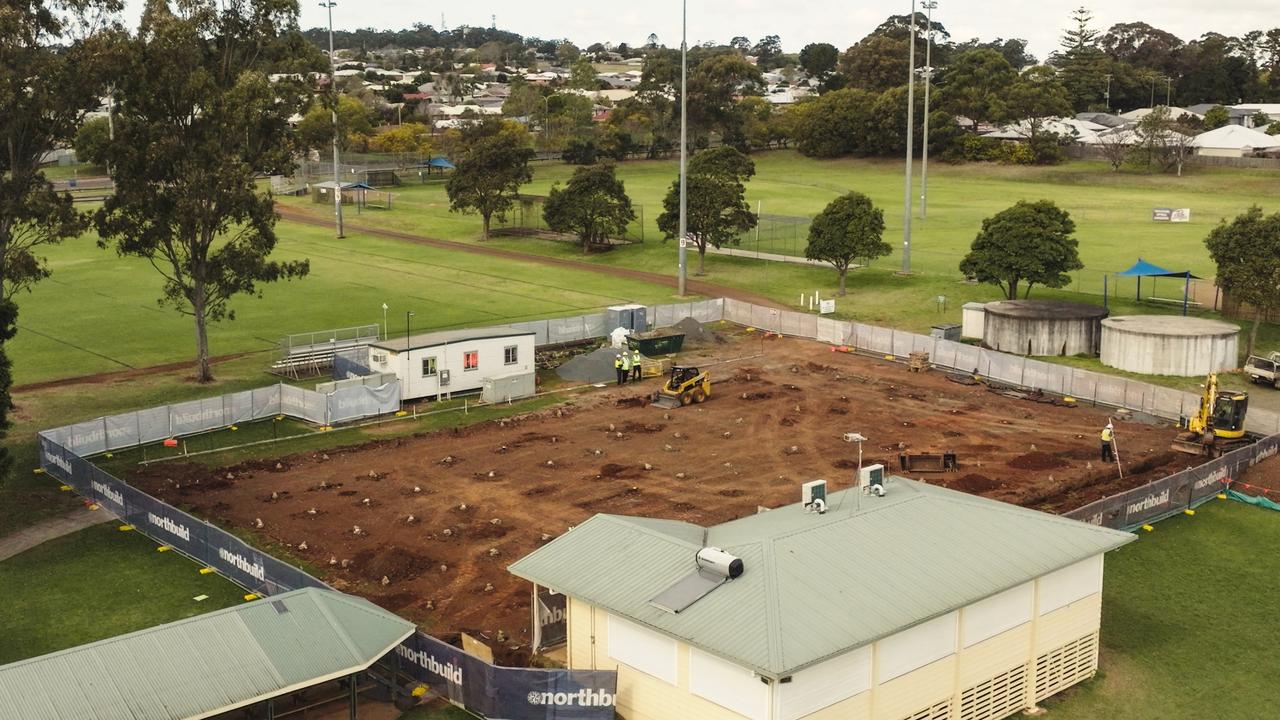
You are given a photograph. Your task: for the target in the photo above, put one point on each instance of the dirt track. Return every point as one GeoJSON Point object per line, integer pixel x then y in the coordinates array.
{"type": "Point", "coordinates": [484, 496]}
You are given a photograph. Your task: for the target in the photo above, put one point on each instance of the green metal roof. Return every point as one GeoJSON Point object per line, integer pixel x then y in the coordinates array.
{"type": "Point", "coordinates": [815, 586]}
{"type": "Point", "coordinates": [208, 664]}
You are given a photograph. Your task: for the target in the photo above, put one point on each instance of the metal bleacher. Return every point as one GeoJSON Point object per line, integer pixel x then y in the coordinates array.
{"type": "Point", "coordinates": [311, 354]}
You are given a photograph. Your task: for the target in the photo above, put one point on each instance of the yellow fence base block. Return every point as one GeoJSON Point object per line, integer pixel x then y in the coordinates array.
{"type": "Point", "coordinates": [1222, 496]}
{"type": "Point", "coordinates": [64, 488]}
{"type": "Point", "coordinates": [751, 329]}
{"type": "Point", "coordinates": [249, 597]}
{"type": "Point", "coordinates": [888, 357]}
{"type": "Point", "coordinates": [1149, 528]}
{"type": "Point", "coordinates": [93, 506]}
{"type": "Point", "coordinates": [233, 428]}
{"type": "Point", "coordinates": [207, 571]}
{"type": "Point", "coordinates": [110, 455]}
{"type": "Point", "coordinates": [401, 413]}
{"type": "Point", "coordinates": [419, 691]}
{"type": "Point", "coordinates": [163, 548]}
{"type": "Point", "coordinates": [125, 528]}
{"type": "Point", "coordinates": [1188, 511]}
{"type": "Point", "coordinates": [326, 428]}
{"type": "Point", "coordinates": [38, 471]}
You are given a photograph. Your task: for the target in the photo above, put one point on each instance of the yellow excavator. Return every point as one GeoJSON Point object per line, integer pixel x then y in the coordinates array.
{"type": "Point", "coordinates": [1219, 424]}
{"type": "Point", "coordinates": [687, 385]}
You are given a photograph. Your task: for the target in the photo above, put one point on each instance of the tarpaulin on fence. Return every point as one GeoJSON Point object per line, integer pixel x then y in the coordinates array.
{"type": "Point", "coordinates": [356, 402]}
{"type": "Point", "coordinates": [300, 403]}
{"type": "Point", "coordinates": [508, 693]}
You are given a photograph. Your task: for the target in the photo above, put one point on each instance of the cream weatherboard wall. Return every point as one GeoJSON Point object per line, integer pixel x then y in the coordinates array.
{"type": "Point", "coordinates": [988, 660]}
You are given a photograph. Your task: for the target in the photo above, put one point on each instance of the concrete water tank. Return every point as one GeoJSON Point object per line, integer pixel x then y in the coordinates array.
{"type": "Point", "coordinates": [1169, 345]}
{"type": "Point", "coordinates": [1043, 327]}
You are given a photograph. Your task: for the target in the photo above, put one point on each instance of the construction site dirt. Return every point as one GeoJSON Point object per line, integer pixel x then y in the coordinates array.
{"type": "Point", "coordinates": [426, 525]}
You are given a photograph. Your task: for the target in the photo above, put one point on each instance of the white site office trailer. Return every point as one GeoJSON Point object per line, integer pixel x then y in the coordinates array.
{"type": "Point", "coordinates": [454, 361]}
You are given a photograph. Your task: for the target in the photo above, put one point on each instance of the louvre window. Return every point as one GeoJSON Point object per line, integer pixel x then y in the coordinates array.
{"type": "Point", "coordinates": [1061, 668]}
{"type": "Point", "coordinates": [937, 711]}
{"type": "Point", "coordinates": [999, 697]}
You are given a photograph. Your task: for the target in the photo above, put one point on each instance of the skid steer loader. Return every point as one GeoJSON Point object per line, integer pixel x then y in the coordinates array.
{"type": "Point", "coordinates": [687, 385]}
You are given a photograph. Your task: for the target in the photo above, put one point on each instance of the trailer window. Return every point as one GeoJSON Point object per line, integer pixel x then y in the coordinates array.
{"type": "Point", "coordinates": [510, 355]}
{"type": "Point", "coordinates": [471, 360]}
{"type": "Point", "coordinates": [428, 366]}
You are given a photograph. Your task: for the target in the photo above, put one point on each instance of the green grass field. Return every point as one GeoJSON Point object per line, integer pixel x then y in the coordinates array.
{"type": "Point", "coordinates": [98, 311]}
{"type": "Point", "coordinates": [1187, 622]}
{"type": "Point", "coordinates": [1112, 210]}
{"type": "Point", "coordinates": [94, 584]}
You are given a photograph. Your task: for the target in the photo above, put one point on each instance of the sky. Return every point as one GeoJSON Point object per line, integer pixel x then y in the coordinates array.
{"type": "Point", "coordinates": [796, 22]}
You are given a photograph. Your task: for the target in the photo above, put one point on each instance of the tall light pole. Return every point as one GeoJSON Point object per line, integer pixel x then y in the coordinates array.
{"type": "Point", "coordinates": [384, 321]}
{"type": "Point", "coordinates": [911, 122]}
{"type": "Point", "coordinates": [684, 130]}
{"type": "Point", "coordinates": [1107, 93]}
{"type": "Point", "coordinates": [926, 72]}
{"type": "Point", "coordinates": [333, 88]}
{"type": "Point", "coordinates": [1168, 89]}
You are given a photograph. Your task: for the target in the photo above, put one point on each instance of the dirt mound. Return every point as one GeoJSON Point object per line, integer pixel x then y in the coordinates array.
{"type": "Point", "coordinates": [394, 562]}
{"type": "Point", "coordinates": [1037, 461]}
{"type": "Point", "coordinates": [974, 483]}
{"type": "Point", "coordinates": [593, 367]}
{"type": "Point", "coordinates": [697, 335]}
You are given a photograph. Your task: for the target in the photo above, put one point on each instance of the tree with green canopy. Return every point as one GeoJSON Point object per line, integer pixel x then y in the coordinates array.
{"type": "Point", "coordinates": [848, 228]}
{"type": "Point", "coordinates": [493, 166]}
{"type": "Point", "coordinates": [1247, 253]}
{"type": "Point", "coordinates": [198, 122]}
{"type": "Point", "coordinates": [1031, 243]}
{"type": "Point", "coordinates": [593, 205]}
{"type": "Point", "coordinates": [717, 213]}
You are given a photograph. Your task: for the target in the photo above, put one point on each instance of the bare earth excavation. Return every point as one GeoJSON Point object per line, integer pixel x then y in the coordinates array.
{"type": "Point", "coordinates": [425, 526]}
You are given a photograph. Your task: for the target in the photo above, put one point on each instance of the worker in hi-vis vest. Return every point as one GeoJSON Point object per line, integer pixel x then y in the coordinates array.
{"type": "Point", "coordinates": [1108, 443]}
{"type": "Point", "coordinates": [635, 364]}
{"type": "Point", "coordinates": [617, 368]}
{"type": "Point", "coordinates": [626, 365]}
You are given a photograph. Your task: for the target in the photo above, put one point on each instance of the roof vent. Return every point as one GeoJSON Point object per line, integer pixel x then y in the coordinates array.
{"type": "Point", "coordinates": [714, 568]}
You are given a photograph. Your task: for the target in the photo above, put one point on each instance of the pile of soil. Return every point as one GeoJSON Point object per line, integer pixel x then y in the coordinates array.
{"type": "Point", "coordinates": [593, 367]}
{"type": "Point", "coordinates": [696, 335]}
{"type": "Point", "coordinates": [1037, 461]}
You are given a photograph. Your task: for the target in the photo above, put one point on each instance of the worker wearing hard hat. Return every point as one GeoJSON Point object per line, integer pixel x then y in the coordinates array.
{"type": "Point", "coordinates": [626, 365]}
{"type": "Point", "coordinates": [635, 364]}
{"type": "Point", "coordinates": [617, 368]}
{"type": "Point", "coordinates": [1108, 443]}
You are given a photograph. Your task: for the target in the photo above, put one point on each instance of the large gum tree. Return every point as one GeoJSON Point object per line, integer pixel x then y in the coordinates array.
{"type": "Point", "coordinates": [198, 120]}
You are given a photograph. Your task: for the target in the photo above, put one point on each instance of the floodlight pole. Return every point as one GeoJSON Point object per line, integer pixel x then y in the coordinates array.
{"type": "Point", "coordinates": [927, 73]}
{"type": "Point", "coordinates": [684, 130]}
{"type": "Point", "coordinates": [333, 88]}
{"type": "Point", "coordinates": [911, 122]}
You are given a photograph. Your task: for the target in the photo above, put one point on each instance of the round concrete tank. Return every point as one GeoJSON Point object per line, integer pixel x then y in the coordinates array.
{"type": "Point", "coordinates": [1043, 327]}
{"type": "Point", "coordinates": [1169, 345]}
